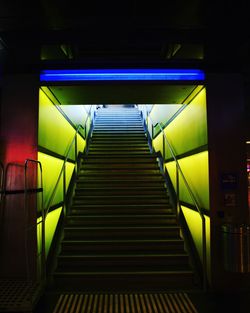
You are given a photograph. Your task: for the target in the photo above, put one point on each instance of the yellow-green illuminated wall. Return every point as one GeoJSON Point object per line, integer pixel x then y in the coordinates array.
{"type": "Point", "coordinates": [187, 134]}
{"type": "Point", "coordinates": [55, 134]}
{"type": "Point", "coordinates": [50, 228]}
{"type": "Point", "coordinates": [77, 114]}
{"type": "Point", "coordinates": [162, 113]}
{"type": "Point", "coordinates": [51, 170]}
{"type": "Point", "coordinates": [195, 170]}
{"type": "Point", "coordinates": [188, 130]}
{"type": "Point", "coordinates": [193, 220]}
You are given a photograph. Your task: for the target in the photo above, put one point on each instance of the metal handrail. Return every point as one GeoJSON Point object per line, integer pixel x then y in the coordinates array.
{"type": "Point", "coordinates": [62, 172]}
{"type": "Point", "coordinates": [43, 254]}
{"type": "Point", "coordinates": [63, 169]}
{"type": "Point", "coordinates": [1, 180]}
{"type": "Point", "coordinates": [85, 123]}
{"type": "Point", "coordinates": [179, 170]}
{"type": "Point", "coordinates": [25, 191]}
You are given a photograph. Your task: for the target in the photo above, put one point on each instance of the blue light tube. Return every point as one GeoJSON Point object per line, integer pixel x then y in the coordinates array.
{"type": "Point", "coordinates": [121, 75]}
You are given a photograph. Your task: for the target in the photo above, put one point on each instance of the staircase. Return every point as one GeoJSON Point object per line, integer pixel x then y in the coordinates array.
{"type": "Point", "coordinates": [121, 233]}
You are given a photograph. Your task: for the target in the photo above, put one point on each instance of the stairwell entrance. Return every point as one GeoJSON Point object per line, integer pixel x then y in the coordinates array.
{"type": "Point", "coordinates": [122, 232]}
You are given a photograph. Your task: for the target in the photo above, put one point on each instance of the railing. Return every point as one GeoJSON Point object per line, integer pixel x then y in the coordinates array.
{"type": "Point", "coordinates": [16, 181]}
{"type": "Point", "coordinates": [179, 173]}
{"type": "Point", "coordinates": [42, 221]}
{"type": "Point", "coordinates": [62, 173]}
{"type": "Point", "coordinates": [1, 180]}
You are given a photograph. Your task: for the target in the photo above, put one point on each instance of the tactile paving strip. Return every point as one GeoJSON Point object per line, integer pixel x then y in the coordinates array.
{"type": "Point", "coordinates": [125, 303]}
{"type": "Point", "coordinates": [17, 295]}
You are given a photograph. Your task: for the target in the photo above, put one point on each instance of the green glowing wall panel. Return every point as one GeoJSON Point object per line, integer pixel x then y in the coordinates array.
{"type": "Point", "coordinates": [162, 113]}
{"type": "Point", "coordinates": [50, 228]}
{"type": "Point", "coordinates": [54, 133]}
{"type": "Point", "coordinates": [195, 170]}
{"type": "Point", "coordinates": [188, 130]}
{"type": "Point", "coordinates": [51, 169]}
{"type": "Point", "coordinates": [81, 144]}
{"type": "Point", "coordinates": [193, 220]}
{"type": "Point", "coordinates": [76, 113]}
{"type": "Point", "coordinates": [158, 143]}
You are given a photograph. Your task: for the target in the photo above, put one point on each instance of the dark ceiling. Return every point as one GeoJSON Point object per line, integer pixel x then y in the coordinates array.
{"type": "Point", "coordinates": [214, 35]}
{"type": "Point", "coordinates": [129, 32]}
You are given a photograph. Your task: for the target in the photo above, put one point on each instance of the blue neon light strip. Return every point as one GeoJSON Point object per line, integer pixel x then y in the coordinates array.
{"type": "Point", "coordinates": [121, 74]}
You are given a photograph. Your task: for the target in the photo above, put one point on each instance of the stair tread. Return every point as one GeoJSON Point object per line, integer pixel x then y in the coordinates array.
{"type": "Point", "coordinates": [141, 272]}
{"type": "Point", "coordinates": [116, 256]}
{"type": "Point", "coordinates": [124, 196]}
{"type": "Point", "coordinates": [125, 215]}
{"type": "Point", "coordinates": [124, 188]}
{"type": "Point", "coordinates": [124, 241]}
{"type": "Point", "coordinates": [121, 227]}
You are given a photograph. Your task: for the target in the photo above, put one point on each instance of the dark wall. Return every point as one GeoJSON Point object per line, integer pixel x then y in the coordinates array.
{"type": "Point", "coordinates": [19, 119]}
{"type": "Point", "coordinates": [227, 168]}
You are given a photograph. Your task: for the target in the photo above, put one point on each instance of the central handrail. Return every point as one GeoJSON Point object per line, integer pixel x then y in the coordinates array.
{"type": "Point", "coordinates": [179, 170]}
{"type": "Point", "coordinates": [62, 172]}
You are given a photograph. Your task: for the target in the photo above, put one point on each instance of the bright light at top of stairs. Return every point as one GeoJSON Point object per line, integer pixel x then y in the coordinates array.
{"type": "Point", "coordinates": [122, 74]}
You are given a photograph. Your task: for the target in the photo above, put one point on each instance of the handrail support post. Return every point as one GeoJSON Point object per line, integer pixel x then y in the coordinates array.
{"type": "Point", "coordinates": [64, 189]}
{"type": "Point", "coordinates": [163, 147]}
{"type": "Point", "coordinates": [177, 192]}
{"type": "Point", "coordinates": [76, 150]}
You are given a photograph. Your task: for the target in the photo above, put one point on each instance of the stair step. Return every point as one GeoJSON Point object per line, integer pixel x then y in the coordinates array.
{"type": "Point", "coordinates": [121, 149]}
{"type": "Point", "coordinates": [123, 262]}
{"type": "Point", "coordinates": [121, 246]}
{"type": "Point", "coordinates": [121, 173]}
{"type": "Point", "coordinates": [113, 153]}
{"type": "Point", "coordinates": [143, 232]}
{"type": "Point", "coordinates": [118, 145]}
{"type": "Point", "coordinates": [120, 199]}
{"type": "Point", "coordinates": [119, 142]}
{"type": "Point", "coordinates": [118, 160]}
{"type": "Point", "coordinates": [120, 136]}
{"type": "Point", "coordinates": [112, 126]}
{"type": "Point", "coordinates": [121, 220]}
{"type": "Point", "coordinates": [119, 184]}
{"type": "Point", "coordinates": [117, 190]}
{"type": "Point", "coordinates": [105, 138]}
{"type": "Point", "coordinates": [123, 281]}
{"type": "Point", "coordinates": [119, 166]}
{"type": "Point", "coordinates": [126, 178]}
{"type": "Point", "coordinates": [133, 123]}
{"type": "Point", "coordinates": [111, 209]}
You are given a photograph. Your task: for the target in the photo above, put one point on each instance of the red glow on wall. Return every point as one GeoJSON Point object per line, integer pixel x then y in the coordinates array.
{"type": "Point", "coordinates": [16, 152]}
